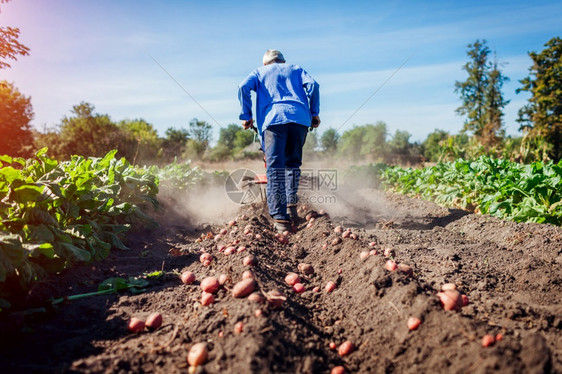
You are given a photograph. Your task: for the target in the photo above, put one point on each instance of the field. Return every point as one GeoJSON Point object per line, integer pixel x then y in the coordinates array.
{"type": "Point", "coordinates": [511, 273]}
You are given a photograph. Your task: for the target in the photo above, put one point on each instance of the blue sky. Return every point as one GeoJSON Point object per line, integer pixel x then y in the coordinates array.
{"type": "Point", "coordinates": [99, 52]}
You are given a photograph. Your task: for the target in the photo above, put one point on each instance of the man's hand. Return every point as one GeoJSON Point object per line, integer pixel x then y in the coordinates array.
{"type": "Point", "coordinates": [315, 122]}
{"type": "Point", "coordinates": [247, 124]}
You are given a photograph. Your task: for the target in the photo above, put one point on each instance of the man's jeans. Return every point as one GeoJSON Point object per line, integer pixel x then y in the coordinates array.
{"type": "Point", "coordinates": [283, 156]}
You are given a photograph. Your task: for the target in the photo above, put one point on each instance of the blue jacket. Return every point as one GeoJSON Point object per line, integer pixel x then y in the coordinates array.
{"type": "Point", "coordinates": [285, 93]}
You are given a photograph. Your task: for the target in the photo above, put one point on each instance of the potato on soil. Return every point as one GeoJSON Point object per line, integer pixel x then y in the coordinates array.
{"type": "Point", "coordinates": [338, 229]}
{"type": "Point", "coordinates": [210, 284]}
{"type": "Point", "coordinates": [413, 323]}
{"type": "Point", "coordinates": [256, 296]}
{"type": "Point", "coordinates": [330, 286]}
{"type": "Point", "coordinates": [364, 255]}
{"type": "Point", "coordinates": [244, 288]}
{"type": "Point", "coordinates": [488, 340]}
{"type": "Point", "coordinates": [345, 348]}
{"type": "Point", "coordinates": [336, 241]}
{"type": "Point", "coordinates": [292, 278]}
{"type": "Point", "coordinates": [451, 300]}
{"type": "Point", "coordinates": [389, 252]}
{"type": "Point", "coordinates": [282, 239]}
{"type": "Point", "coordinates": [135, 325]}
{"type": "Point", "coordinates": [153, 321]}
{"type": "Point", "coordinates": [207, 298]}
{"type": "Point", "coordinates": [346, 234]}
{"type": "Point", "coordinates": [247, 274]}
{"type": "Point", "coordinates": [187, 277]}
{"type": "Point", "coordinates": [338, 370]}
{"type": "Point", "coordinates": [250, 260]}
{"type": "Point", "coordinates": [275, 298]}
{"type": "Point", "coordinates": [299, 288]}
{"type": "Point", "coordinates": [223, 278]}
{"type": "Point", "coordinates": [449, 287]}
{"type": "Point", "coordinates": [406, 269]}
{"type": "Point", "coordinates": [198, 354]}
{"type": "Point", "coordinates": [390, 265]}
{"type": "Point", "coordinates": [238, 327]}
{"type": "Point", "coordinates": [205, 257]}
{"type": "Point", "coordinates": [305, 268]}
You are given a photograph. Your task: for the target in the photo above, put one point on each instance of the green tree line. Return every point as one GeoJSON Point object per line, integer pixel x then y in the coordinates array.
{"type": "Point", "coordinates": [88, 133]}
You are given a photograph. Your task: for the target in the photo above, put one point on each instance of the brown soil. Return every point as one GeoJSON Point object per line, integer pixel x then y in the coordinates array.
{"type": "Point", "coordinates": [512, 274]}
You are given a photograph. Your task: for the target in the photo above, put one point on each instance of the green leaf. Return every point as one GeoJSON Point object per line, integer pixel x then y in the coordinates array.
{"type": "Point", "coordinates": [40, 233]}
{"type": "Point", "coordinates": [9, 174]}
{"type": "Point", "coordinates": [45, 249]}
{"type": "Point", "coordinates": [77, 253]}
{"type": "Point", "coordinates": [27, 193]}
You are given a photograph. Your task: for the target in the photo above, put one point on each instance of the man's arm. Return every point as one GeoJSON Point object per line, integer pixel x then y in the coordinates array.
{"type": "Point", "coordinates": [312, 89]}
{"type": "Point", "coordinates": [244, 96]}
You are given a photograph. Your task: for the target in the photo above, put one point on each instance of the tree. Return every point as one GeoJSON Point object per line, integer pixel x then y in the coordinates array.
{"type": "Point", "coordinates": [174, 143]}
{"type": "Point", "coordinates": [329, 141]}
{"type": "Point", "coordinates": [368, 141]}
{"type": "Point", "coordinates": [141, 142]}
{"type": "Point", "coordinates": [433, 145]}
{"type": "Point", "coordinates": [15, 114]}
{"type": "Point", "coordinates": [227, 135]}
{"type": "Point", "coordinates": [9, 45]}
{"type": "Point", "coordinates": [492, 131]}
{"type": "Point", "coordinates": [87, 133]}
{"type": "Point", "coordinates": [400, 142]}
{"type": "Point", "coordinates": [200, 135]}
{"type": "Point", "coordinates": [481, 96]}
{"type": "Point", "coordinates": [541, 118]}
{"type": "Point", "coordinates": [242, 139]}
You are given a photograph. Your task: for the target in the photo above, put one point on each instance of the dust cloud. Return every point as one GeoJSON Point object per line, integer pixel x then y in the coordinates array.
{"type": "Point", "coordinates": [353, 199]}
{"type": "Point", "coordinates": [199, 206]}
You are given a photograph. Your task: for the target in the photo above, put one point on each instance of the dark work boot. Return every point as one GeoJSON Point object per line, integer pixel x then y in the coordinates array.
{"type": "Point", "coordinates": [293, 214]}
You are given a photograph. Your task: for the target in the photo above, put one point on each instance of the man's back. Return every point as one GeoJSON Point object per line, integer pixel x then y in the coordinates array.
{"type": "Point", "coordinates": [285, 94]}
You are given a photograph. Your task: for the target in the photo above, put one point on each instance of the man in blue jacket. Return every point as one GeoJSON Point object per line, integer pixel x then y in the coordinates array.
{"type": "Point", "coordinates": [287, 105]}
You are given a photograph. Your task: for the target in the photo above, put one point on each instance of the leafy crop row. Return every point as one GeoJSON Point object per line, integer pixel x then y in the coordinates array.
{"type": "Point", "coordinates": [518, 192]}
{"type": "Point", "coordinates": [54, 214]}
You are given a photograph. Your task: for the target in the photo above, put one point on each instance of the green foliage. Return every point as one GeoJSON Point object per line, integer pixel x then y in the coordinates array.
{"type": "Point", "coordinates": [54, 214]}
{"type": "Point", "coordinates": [364, 142]}
{"type": "Point", "coordinates": [232, 142]}
{"type": "Point", "coordinates": [227, 135]}
{"type": "Point", "coordinates": [329, 141]}
{"type": "Point", "coordinates": [364, 175]}
{"type": "Point", "coordinates": [243, 139]}
{"type": "Point", "coordinates": [177, 175]}
{"type": "Point", "coordinates": [518, 192]}
{"type": "Point", "coordinates": [200, 136]}
{"type": "Point", "coordinates": [541, 118]}
{"type": "Point", "coordinates": [140, 141]}
{"type": "Point", "coordinates": [10, 47]}
{"type": "Point", "coordinates": [481, 96]}
{"type": "Point", "coordinates": [87, 133]}
{"type": "Point", "coordinates": [15, 114]}
{"type": "Point", "coordinates": [174, 143]}
{"type": "Point", "coordinates": [433, 145]}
